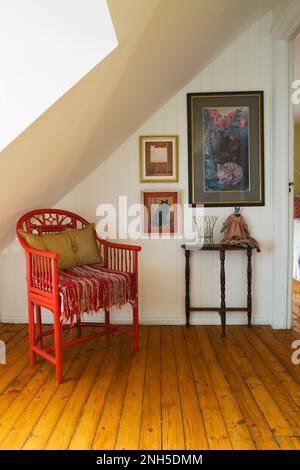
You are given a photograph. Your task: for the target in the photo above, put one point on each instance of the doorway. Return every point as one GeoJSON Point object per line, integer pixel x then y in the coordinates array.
{"type": "Point", "coordinates": [296, 203]}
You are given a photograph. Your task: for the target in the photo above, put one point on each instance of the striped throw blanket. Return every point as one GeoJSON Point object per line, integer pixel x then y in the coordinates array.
{"type": "Point", "coordinates": [89, 288]}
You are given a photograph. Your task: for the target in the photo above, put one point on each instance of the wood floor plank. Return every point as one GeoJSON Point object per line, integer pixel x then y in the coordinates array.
{"type": "Point", "coordinates": [289, 443]}
{"type": "Point", "coordinates": [256, 422]}
{"type": "Point", "coordinates": [150, 436]}
{"type": "Point", "coordinates": [11, 332]}
{"type": "Point", "coordinates": [172, 423]}
{"type": "Point", "coordinates": [277, 422]}
{"type": "Point", "coordinates": [15, 405]}
{"type": "Point", "coordinates": [5, 327]}
{"type": "Point", "coordinates": [215, 428]}
{"type": "Point", "coordinates": [21, 428]}
{"type": "Point", "coordinates": [87, 425]}
{"type": "Point", "coordinates": [15, 388]}
{"type": "Point", "coordinates": [194, 431]}
{"type": "Point", "coordinates": [16, 358]}
{"type": "Point", "coordinates": [108, 426]}
{"type": "Point", "coordinates": [19, 405]}
{"type": "Point", "coordinates": [16, 362]}
{"type": "Point", "coordinates": [234, 420]}
{"type": "Point", "coordinates": [64, 428]}
{"type": "Point", "coordinates": [8, 325]}
{"type": "Point", "coordinates": [130, 421]}
{"type": "Point", "coordinates": [15, 341]}
{"type": "Point", "coordinates": [20, 382]}
{"type": "Point", "coordinates": [13, 346]}
{"type": "Point", "coordinates": [286, 405]}
{"type": "Point", "coordinates": [187, 388]}
{"type": "Point", "coordinates": [286, 337]}
{"type": "Point", "coordinates": [274, 364]}
{"type": "Point", "coordinates": [42, 429]}
{"type": "Point", "coordinates": [282, 354]}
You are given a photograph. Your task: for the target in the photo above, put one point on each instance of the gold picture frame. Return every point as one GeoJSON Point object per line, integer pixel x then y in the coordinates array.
{"type": "Point", "coordinates": [159, 159]}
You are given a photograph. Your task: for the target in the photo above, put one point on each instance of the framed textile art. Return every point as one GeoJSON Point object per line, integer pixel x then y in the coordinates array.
{"type": "Point", "coordinates": [160, 211]}
{"type": "Point", "coordinates": [226, 148]}
{"type": "Point", "coordinates": [158, 159]}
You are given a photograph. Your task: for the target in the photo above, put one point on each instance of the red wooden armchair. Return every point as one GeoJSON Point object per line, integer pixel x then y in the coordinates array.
{"type": "Point", "coordinates": [43, 284]}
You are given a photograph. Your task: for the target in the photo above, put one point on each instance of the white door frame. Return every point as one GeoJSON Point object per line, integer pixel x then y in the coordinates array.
{"type": "Point", "coordinates": [282, 163]}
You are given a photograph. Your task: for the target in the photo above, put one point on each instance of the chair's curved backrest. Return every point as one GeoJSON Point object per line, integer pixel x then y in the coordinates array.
{"type": "Point", "coordinates": [49, 220]}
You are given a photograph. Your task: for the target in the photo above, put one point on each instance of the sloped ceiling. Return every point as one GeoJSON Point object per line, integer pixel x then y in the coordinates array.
{"type": "Point", "coordinates": [46, 46]}
{"type": "Point", "coordinates": [162, 45]}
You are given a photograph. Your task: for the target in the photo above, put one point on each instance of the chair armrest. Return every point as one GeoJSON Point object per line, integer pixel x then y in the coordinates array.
{"type": "Point", "coordinates": [43, 254]}
{"type": "Point", "coordinates": [34, 251]}
{"type": "Point", "coordinates": [119, 256]}
{"type": "Point", "coordinates": [120, 246]}
{"type": "Point", "coordinates": [42, 270]}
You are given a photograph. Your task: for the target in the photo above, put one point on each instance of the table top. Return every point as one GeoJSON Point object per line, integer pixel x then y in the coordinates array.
{"type": "Point", "coordinates": [217, 247]}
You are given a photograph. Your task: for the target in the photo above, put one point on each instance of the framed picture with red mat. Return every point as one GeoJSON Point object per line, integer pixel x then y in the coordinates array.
{"type": "Point", "coordinates": [160, 212]}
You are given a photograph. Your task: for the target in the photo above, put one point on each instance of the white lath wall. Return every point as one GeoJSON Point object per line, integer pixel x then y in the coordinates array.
{"type": "Point", "coordinates": [245, 65]}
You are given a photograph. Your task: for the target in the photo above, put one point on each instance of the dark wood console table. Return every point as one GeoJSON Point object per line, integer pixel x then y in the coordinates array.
{"type": "Point", "coordinates": [222, 309]}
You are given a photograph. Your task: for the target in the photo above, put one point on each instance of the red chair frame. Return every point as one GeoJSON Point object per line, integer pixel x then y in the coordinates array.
{"type": "Point", "coordinates": [42, 265]}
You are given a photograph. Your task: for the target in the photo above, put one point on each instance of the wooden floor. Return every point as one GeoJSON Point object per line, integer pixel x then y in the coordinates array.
{"type": "Point", "coordinates": [185, 389]}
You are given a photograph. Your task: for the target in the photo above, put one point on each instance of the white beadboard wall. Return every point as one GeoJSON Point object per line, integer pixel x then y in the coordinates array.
{"type": "Point", "coordinates": [245, 65]}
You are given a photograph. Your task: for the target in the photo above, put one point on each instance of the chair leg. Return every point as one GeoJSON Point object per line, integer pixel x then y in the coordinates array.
{"type": "Point", "coordinates": [39, 326]}
{"type": "Point", "coordinates": [31, 333]}
{"type": "Point", "coordinates": [107, 315]}
{"type": "Point", "coordinates": [135, 307]}
{"type": "Point", "coordinates": [58, 346]}
{"type": "Point", "coordinates": [78, 325]}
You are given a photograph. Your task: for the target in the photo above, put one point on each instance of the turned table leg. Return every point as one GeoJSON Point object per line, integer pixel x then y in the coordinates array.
{"type": "Point", "coordinates": [223, 301]}
{"type": "Point", "coordinates": [249, 286]}
{"type": "Point", "coordinates": [187, 287]}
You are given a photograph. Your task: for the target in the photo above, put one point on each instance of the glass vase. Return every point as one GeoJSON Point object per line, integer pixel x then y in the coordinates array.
{"type": "Point", "coordinates": [205, 228]}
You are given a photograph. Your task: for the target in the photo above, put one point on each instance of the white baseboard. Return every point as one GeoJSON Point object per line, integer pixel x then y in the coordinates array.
{"type": "Point", "coordinates": [126, 319]}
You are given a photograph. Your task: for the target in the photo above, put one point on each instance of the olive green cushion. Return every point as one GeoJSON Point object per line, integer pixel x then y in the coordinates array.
{"type": "Point", "coordinates": [85, 245]}
{"type": "Point", "coordinates": [55, 242]}
{"type": "Point", "coordinates": [34, 241]}
{"type": "Point", "coordinates": [61, 243]}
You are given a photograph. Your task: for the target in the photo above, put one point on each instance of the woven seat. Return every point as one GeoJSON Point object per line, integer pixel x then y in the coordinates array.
{"type": "Point", "coordinates": [87, 289]}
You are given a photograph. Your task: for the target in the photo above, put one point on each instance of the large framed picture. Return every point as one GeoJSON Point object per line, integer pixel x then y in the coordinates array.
{"type": "Point", "coordinates": [160, 212]}
{"type": "Point", "coordinates": [226, 148]}
{"type": "Point", "coordinates": [158, 159]}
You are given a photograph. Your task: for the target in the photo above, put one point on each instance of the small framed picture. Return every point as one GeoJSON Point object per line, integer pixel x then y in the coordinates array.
{"type": "Point", "coordinates": [158, 159]}
{"type": "Point", "coordinates": [160, 211]}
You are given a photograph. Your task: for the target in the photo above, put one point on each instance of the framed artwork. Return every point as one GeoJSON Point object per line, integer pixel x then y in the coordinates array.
{"type": "Point", "coordinates": [226, 148]}
{"type": "Point", "coordinates": [160, 211]}
{"type": "Point", "coordinates": [158, 159]}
